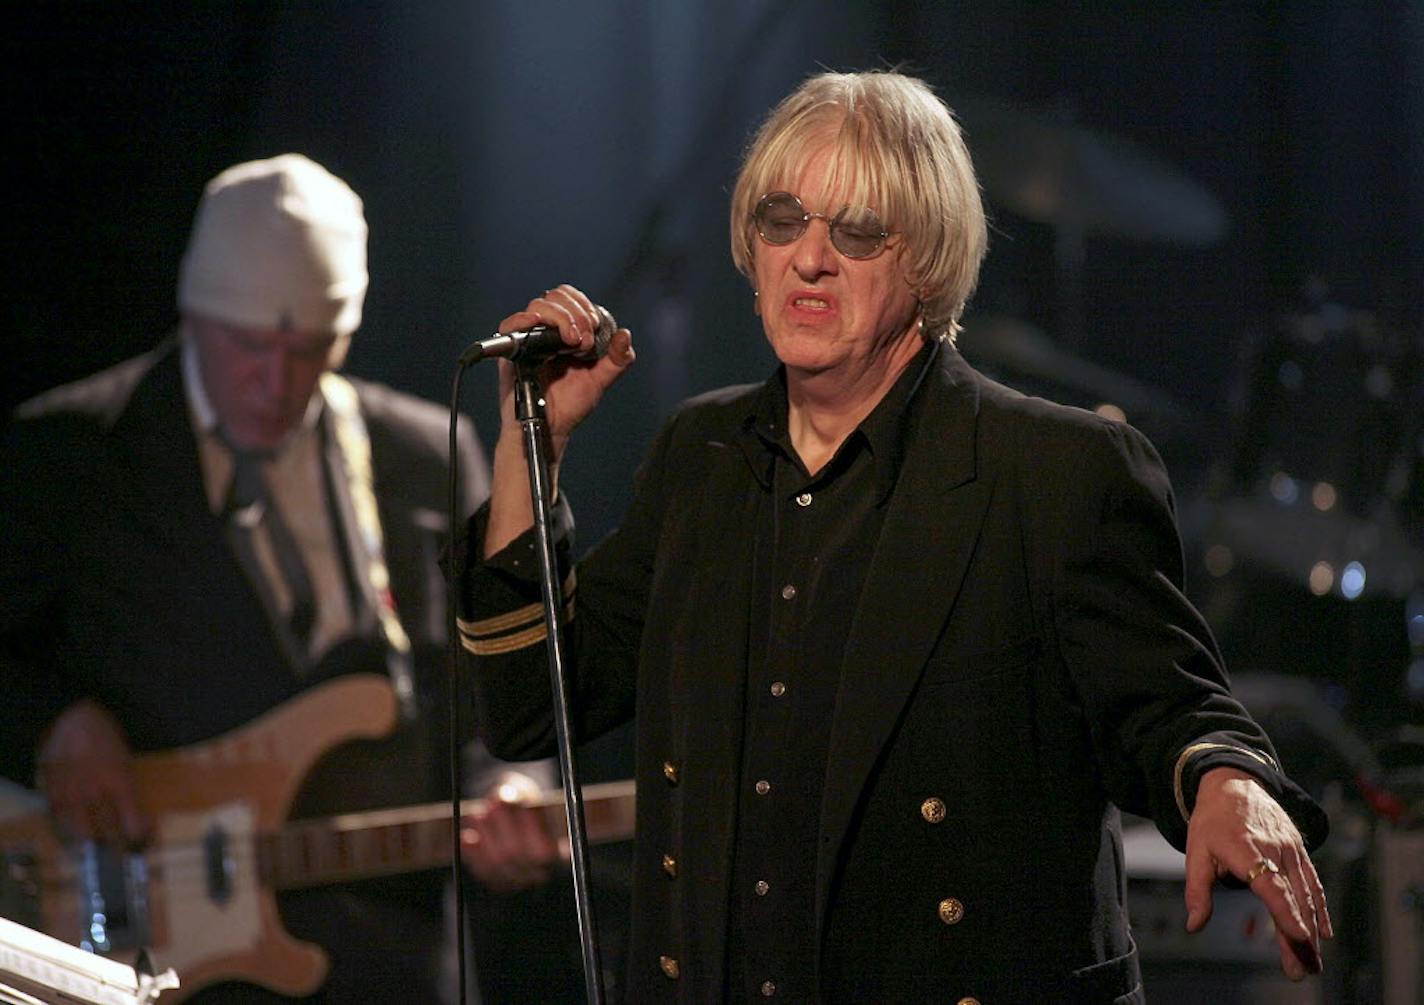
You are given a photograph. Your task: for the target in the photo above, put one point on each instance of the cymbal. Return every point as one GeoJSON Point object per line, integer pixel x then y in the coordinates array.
{"type": "Point", "coordinates": [1069, 176]}
{"type": "Point", "coordinates": [1017, 348]}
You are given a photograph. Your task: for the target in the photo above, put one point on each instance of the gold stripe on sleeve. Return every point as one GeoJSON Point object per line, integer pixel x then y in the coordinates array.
{"type": "Point", "coordinates": [1193, 750]}
{"type": "Point", "coordinates": [495, 645]}
{"type": "Point", "coordinates": [507, 643]}
{"type": "Point", "coordinates": [517, 618]}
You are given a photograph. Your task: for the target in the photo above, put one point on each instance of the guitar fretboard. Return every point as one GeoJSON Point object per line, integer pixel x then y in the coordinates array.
{"type": "Point", "coordinates": [387, 842]}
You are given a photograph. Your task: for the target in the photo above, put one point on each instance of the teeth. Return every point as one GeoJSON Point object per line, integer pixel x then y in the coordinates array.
{"type": "Point", "coordinates": [811, 302]}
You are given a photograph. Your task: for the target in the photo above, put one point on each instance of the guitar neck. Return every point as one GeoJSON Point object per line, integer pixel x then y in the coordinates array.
{"type": "Point", "coordinates": [410, 839]}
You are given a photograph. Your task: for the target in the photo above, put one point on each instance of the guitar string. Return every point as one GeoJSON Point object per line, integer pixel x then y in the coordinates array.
{"type": "Point", "coordinates": [185, 865]}
{"type": "Point", "coordinates": [188, 864]}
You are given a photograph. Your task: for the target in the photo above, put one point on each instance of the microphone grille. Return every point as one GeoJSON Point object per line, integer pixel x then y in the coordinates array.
{"type": "Point", "coordinates": [603, 334]}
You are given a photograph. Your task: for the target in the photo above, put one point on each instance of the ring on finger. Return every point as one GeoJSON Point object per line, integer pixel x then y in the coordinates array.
{"type": "Point", "coordinates": [1261, 867]}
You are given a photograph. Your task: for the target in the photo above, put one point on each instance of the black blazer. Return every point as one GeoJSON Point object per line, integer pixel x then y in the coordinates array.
{"type": "Point", "coordinates": [1022, 654]}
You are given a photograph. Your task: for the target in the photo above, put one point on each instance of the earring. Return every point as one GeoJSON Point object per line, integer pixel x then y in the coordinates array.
{"type": "Point", "coordinates": [756, 302]}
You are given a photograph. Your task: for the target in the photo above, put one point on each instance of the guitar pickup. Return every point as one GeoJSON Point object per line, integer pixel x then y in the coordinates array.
{"type": "Point", "coordinates": [217, 865]}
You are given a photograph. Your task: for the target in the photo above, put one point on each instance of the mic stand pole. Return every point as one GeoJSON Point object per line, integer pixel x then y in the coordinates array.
{"type": "Point", "coordinates": [529, 409]}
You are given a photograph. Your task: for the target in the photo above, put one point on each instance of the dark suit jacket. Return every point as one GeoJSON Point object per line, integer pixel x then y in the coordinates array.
{"type": "Point", "coordinates": [1021, 652]}
{"type": "Point", "coordinates": [117, 583]}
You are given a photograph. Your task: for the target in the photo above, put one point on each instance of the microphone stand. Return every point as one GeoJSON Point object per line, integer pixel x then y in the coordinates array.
{"type": "Point", "coordinates": [529, 409]}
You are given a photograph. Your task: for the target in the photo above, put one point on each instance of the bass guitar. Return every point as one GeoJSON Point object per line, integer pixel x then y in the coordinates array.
{"type": "Point", "coordinates": [200, 895]}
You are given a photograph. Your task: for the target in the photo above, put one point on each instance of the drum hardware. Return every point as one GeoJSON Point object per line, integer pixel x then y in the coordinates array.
{"type": "Point", "coordinates": [1026, 358]}
{"type": "Point", "coordinates": [1055, 172]}
{"type": "Point", "coordinates": [1082, 183]}
{"type": "Point", "coordinates": [1317, 489]}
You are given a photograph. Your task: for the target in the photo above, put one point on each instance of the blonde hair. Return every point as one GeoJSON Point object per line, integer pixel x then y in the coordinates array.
{"type": "Point", "coordinates": [895, 147]}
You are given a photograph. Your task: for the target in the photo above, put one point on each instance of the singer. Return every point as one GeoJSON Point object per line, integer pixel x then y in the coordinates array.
{"type": "Point", "coordinates": [899, 641]}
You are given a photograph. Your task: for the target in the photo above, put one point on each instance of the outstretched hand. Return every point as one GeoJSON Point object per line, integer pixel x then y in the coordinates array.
{"type": "Point", "coordinates": [1237, 829]}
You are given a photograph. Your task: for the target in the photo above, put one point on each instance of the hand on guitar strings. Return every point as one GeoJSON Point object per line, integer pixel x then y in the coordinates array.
{"type": "Point", "coordinates": [84, 770]}
{"type": "Point", "coordinates": [505, 843]}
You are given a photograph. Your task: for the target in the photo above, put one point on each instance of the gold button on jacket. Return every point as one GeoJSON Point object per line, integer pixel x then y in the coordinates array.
{"type": "Point", "coordinates": [670, 865]}
{"type": "Point", "coordinates": [967, 1001]}
{"type": "Point", "coordinates": [951, 911]}
{"type": "Point", "coordinates": [670, 772]}
{"type": "Point", "coordinates": [670, 967]}
{"type": "Point", "coordinates": [932, 809]}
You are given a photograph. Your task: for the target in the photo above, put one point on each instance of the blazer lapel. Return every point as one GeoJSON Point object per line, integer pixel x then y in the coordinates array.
{"type": "Point", "coordinates": [158, 482]}
{"type": "Point", "coordinates": [936, 511]}
{"type": "Point", "coordinates": [158, 456]}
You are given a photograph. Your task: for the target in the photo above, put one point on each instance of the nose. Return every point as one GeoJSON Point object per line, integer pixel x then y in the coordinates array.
{"type": "Point", "coordinates": [276, 374]}
{"type": "Point", "coordinates": [815, 254]}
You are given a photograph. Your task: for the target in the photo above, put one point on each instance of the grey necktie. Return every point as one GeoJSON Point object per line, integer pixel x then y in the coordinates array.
{"type": "Point", "coordinates": [250, 506]}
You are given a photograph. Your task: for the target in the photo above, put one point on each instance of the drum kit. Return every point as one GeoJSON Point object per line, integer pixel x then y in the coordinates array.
{"type": "Point", "coordinates": [1306, 544]}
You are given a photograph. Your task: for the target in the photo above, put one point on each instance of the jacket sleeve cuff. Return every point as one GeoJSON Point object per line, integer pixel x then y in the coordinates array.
{"type": "Point", "coordinates": [502, 608]}
{"type": "Point", "coordinates": [1198, 758]}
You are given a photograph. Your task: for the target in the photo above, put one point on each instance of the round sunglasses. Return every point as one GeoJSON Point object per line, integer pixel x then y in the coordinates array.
{"type": "Point", "coordinates": [856, 231]}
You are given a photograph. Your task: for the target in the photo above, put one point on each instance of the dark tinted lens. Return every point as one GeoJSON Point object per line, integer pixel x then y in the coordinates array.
{"type": "Point", "coordinates": [857, 232]}
{"type": "Point", "coordinates": [780, 218]}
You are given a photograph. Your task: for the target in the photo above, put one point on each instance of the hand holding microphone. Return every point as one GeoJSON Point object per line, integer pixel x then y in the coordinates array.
{"type": "Point", "coordinates": [542, 341]}
{"type": "Point", "coordinates": [583, 352]}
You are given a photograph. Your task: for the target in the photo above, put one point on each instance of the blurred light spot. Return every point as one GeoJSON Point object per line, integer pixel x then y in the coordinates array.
{"type": "Point", "coordinates": [1323, 496]}
{"type": "Point", "coordinates": [1290, 375]}
{"type": "Point", "coordinates": [1110, 411]}
{"type": "Point", "coordinates": [1219, 560]}
{"type": "Point", "coordinates": [1322, 577]}
{"type": "Point", "coordinates": [1352, 580]}
{"type": "Point", "coordinates": [1416, 630]}
{"type": "Point", "coordinates": [1283, 488]}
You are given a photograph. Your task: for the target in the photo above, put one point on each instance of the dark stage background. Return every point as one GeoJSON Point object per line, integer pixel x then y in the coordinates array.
{"type": "Point", "coordinates": [1236, 185]}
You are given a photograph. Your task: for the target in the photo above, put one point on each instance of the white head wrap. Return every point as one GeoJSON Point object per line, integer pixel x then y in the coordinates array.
{"type": "Point", "coordinates": [277, 244]}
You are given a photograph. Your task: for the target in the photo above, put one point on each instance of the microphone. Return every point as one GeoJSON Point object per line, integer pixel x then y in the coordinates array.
{"type": "Point", "coordinates": [535, 344]}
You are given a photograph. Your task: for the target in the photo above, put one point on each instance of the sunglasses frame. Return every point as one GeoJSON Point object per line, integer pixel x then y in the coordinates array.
{"type": "Point", "coordinates": [831, 223]}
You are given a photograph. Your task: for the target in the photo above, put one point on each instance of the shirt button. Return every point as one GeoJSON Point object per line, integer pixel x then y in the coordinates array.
{"type": "Point", "coordinates": [762, 887]}
{"type": "Point", "coordinates": [804, 499]}
{"type": "Point", "coordinates": [763, 787]}
{"type": "Point", "coordinates": [951, 911]}
{"type": "Point", "coordinates": [777, 689]}
{"type": "Point", "coordinates": [788, 591]}
{"type": "Point", "coordinates": [768, 988]}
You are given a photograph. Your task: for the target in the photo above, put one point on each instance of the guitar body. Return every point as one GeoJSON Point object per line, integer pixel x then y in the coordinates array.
{"type": "Point", "coordinates": [209, 914]}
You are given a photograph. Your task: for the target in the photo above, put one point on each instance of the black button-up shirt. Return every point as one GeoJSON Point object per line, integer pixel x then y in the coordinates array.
{"type": "Point", "coordinates": [815, 535]}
